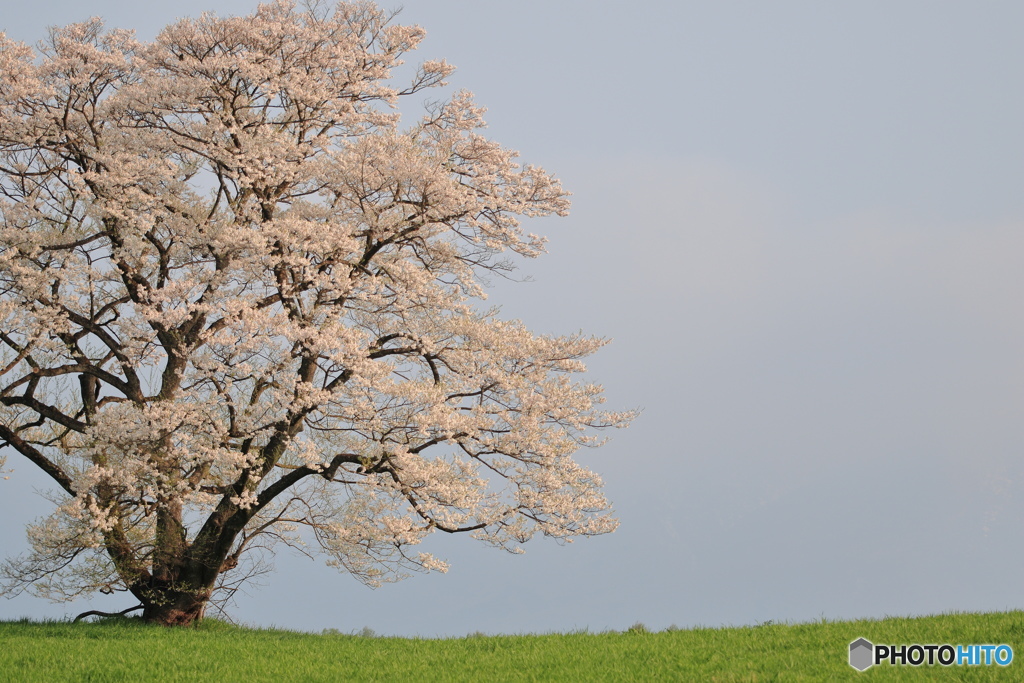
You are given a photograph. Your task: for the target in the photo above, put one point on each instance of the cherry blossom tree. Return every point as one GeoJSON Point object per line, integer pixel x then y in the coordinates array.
{"type": "Point", "coordinates": [240, 306]}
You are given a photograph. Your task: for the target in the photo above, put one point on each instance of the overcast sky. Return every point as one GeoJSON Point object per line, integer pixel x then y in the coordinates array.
{"type": "Point", "coordinates": [802, 225]}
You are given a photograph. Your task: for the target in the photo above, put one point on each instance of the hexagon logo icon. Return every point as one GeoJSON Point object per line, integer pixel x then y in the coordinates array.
{"type": "Point", "coordinates": [861, 654]}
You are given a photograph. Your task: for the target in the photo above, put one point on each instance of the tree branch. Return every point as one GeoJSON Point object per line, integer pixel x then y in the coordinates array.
{"type": "Point", "coordinates": [37, 458]}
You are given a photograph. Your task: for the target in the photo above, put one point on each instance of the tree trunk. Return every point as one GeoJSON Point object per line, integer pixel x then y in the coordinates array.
{"type": "Point", "coordinates": [176, 609]}
{"type": "Point", "coordinates": [184, 575]}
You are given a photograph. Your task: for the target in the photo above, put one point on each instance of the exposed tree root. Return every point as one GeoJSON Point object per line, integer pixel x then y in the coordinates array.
{"type": "Point", "coordinates": [97, 613]}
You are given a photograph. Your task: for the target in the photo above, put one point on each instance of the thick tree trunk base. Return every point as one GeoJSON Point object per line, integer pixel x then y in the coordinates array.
{"type": "Point", "coordinates": [180, 612]}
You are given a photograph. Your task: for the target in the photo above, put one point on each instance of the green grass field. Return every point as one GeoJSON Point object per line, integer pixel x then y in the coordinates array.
{"type": "Point", "coordinates": [126, 650]}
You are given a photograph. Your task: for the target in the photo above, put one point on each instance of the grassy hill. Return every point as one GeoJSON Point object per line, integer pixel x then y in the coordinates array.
{"type": "Point", "coordinates": [127, 650]}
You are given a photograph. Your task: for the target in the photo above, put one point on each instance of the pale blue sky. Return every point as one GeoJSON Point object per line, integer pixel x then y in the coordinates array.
{"type": "Point", "coordinates": [802, 223]}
